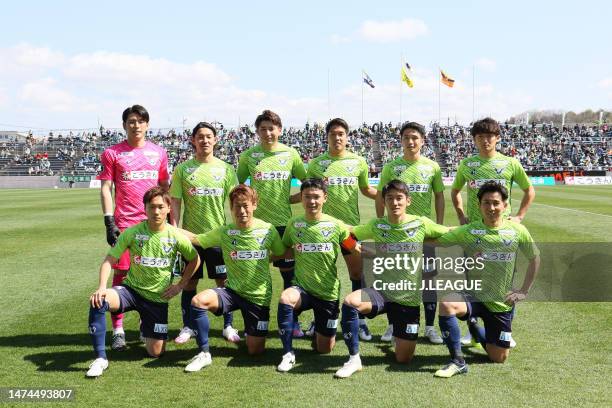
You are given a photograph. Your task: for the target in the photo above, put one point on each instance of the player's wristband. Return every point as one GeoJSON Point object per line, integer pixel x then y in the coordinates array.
{"type": "Point", "coordinates": [349, 243]}
{"type": "Point", "coordinates": [109, 220]}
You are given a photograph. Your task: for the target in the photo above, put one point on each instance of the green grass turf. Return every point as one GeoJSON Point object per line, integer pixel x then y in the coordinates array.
{"type": "Point", "coordinates": [53, 242]}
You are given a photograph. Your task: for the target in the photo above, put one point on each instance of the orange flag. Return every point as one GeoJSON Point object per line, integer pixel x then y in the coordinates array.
{"type": "Point", "coordinates": [446, 80]}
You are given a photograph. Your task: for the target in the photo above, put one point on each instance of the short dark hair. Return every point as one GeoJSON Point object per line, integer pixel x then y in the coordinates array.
{"type": "Point", "coordinates": [269, 116]}
{"type": "Point", "coordinates": [414, 126]}
{"type": "Point", "coordinates": [492, 187]}
{"type": "Point", "coordinates": [486, 125]}
{"type": "Point", "coordinates": [157, 191]}
{"type": "Point", "coordinates": [396, 185]}
{"type": "Point", "coordinates": [242, 190]}
{"type": "Point", "coordinates": [203, 125]}
{"type": "Point", "coordinates": [336, 122]}
{"type": "Point", "coordinates": [138, 110]}
{"type": "Point", "coordinates": [314, 183]}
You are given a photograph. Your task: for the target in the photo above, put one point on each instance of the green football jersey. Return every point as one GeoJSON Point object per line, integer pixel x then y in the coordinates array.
{"type": "Point", "coordinates": [203, 187]}
{"type": "Point", "coordinates": [271, 174]}
{"type": "Point", "coordinates": [497, 248]}
{"type": "Point", "coordinates": [344, 176]}
{"type": "Point", "coordinates": [475, 171]}
{"type": "Point", "coordinates": [152, 257]}
{"type": "Point", "coordinates": [246, 254]}
{"type": "Point", "coordinates": [405, 238]}
{"type": "Point", "coordinates": [423, 178]}
{"type": "Point", "coordinates": [316, 245]}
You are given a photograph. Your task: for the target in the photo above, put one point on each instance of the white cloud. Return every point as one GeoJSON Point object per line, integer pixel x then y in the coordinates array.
{"type": "Point", "coordinates": [605, 83]}
{"type": "Point", "coordinates": [390, 31]}
{"type": "Point", "coordinates": [75, 91]}
{"type": "Point", "coordinates": [486, 64]}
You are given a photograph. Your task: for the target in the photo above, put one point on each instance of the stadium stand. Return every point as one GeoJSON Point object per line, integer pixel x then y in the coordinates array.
{"type": "Point", "coordinates": [538, 147]}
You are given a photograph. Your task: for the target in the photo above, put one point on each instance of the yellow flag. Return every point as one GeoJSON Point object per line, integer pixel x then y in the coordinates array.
{"type": "Point", "coordinates": [407, 80]}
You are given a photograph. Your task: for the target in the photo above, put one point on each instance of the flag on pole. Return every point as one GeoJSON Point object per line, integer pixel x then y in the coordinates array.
{"type": "Point", "coordinates": [405, 78]}
{"type": "Point", "coordinates": [368, 80]}
{"type": "Point", "coordinates": [446, 80]}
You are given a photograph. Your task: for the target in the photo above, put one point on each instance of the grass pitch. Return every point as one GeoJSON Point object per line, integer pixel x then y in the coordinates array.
{"type": "Point", "coordinates": [53, 242]}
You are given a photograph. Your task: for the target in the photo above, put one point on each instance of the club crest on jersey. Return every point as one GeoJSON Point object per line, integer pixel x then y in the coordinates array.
{"type": "Point", "coordinates": [399, 169]}
{"type": "Point", "coordinates": [324, 164]}
{"type": "Point", "coordinates": [326, 233]}
{"type": "Point", "coordinates": [499, 166]}
{"type": "Point", "coordinates": [234, 242]}
{"type": "Point", "coordinates": [282, 162]}
{"type": "Point", "coordinates": [507, 236]}
{"type": "Point", "coordinates": [425, 171]}
{"type": "Point", "coordinates": [152, 157]}
{"type": "Point", "coordinates": [411, 232]}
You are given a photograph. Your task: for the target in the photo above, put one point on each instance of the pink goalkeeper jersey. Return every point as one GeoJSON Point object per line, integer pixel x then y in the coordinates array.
{"type": "Point", "coordinates": [133, 170]}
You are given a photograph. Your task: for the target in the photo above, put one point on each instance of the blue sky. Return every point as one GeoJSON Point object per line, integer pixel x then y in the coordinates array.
{"type": "Point", "coordinates": [68, 65]}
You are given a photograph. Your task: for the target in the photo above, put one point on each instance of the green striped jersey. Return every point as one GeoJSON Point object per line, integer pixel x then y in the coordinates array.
{"type": "Point", "coordinates": [344, 176]}
{"type": "Point", "coordinates": [316, 245]}
{"type": "Point", "coordinates": [475, 171]}
{"type": "Point", "coordinates": [152, 256]}
{"type": "Point", "coordinates": [399, 239]}
{"type": "Point", "coordinates": [246, 254]}
{"type": "Point", "coordinates": [203, 187]}
{"type": "Point", "coordinates": [497, 247]}
{"type": "Point", "coordinates": [423, 177]}
{"type": "Point", "coordinates": [271, 174]}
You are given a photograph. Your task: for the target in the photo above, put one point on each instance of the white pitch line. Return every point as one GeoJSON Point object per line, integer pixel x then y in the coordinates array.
{"type": "Point", "coordinates": [574, 210]}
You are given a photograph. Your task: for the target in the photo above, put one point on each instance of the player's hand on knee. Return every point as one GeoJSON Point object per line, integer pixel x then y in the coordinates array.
{"type": "Point", "coordinates": [171, 291]}
{"type": "Point", "coordinates": [515, 296]}
{"type": "Point", "coordinates": [97, 298]}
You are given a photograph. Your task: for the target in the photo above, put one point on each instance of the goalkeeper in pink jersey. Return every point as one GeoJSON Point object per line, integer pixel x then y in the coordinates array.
{"type": "Point", "coordinates": [133, 167]}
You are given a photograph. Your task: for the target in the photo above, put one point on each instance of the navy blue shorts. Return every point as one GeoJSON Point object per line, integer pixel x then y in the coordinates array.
{"type": "Point", "coordinates": [283, 263]}
{"type": "Point", "coordinates": [153, 315]}
{"type": "Point", "coordinates": [325, 312]}
{"type": "Point", "coordinates": [213, 259]}
{"type": "Point", "coordinates": [405, 319]}
{"type": "Point", "coordinates": [498, 325]}
{"type": "Point", "coordinates": [256, 318]}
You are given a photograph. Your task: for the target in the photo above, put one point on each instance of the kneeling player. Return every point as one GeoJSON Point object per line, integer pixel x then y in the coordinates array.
{"type": "Point", "coordinates": [246, 245]}
{"type": "Point", "coordinates": [316, 239]}
{"type": "Point", "coordinates": [397, 233]}
{"type": "Point", "coordinates": [496, 241]}
{"type": "Point", "coordinates": [154, 247]}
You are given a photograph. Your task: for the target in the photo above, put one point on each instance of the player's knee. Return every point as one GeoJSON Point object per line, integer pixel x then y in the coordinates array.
{"type": "Point", "coordinates": [499, 358]}
{"type": "Point", "coordinates": [201, 301]}
{"type": "Point", "coordinates": [288, 297]}
{"type": "Point", "coordinates": [446, 308]}
{"type": "Point", "coordinates": [155, 351]}
{"type": "Point", "coordinates": [353, 300]}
